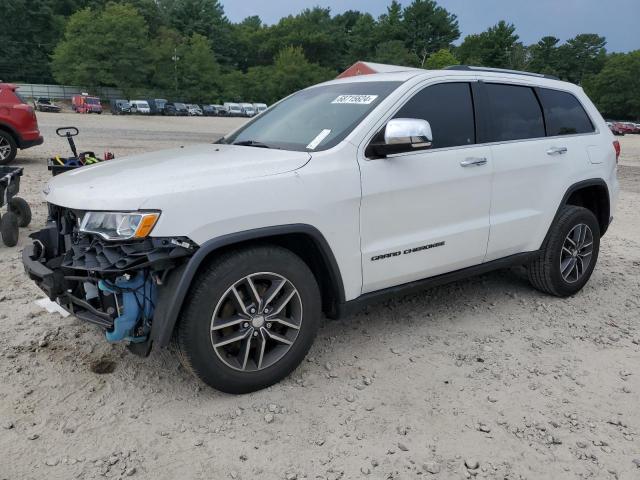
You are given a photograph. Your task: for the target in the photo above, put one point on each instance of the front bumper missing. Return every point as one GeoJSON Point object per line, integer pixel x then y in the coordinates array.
{"type": "Point", "coordinates": [109, 284]}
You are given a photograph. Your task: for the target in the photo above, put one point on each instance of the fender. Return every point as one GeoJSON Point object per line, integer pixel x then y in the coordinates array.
{"type": "Point", "coordinates": [591, 182]}
{"type": "Point", "coordinates": [12, 131]}
{"type": "Point", "coordinates": [172, 294]}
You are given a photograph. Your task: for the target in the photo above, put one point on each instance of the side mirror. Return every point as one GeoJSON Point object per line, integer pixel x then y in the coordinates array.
{"type": "Point", "coordinates": [403, 135]}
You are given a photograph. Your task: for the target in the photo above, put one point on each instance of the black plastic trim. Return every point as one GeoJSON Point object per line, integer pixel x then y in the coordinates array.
{"type": "Point", "coordinates": [357, 304]}
{"type": "Point", "coordinates": [172, 295]}
{"type": "Point", "coordinates": [591, 182]}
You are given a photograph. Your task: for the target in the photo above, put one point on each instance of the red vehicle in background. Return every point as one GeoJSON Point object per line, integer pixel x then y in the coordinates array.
{"type": "Point", "coordinates": [18, 124]}
{"type": "Point", "coordinates": [86, 104]}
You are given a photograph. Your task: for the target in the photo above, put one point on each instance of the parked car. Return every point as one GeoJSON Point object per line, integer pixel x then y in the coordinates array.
{"type": "Point", "coordinates": [221, 111]}
{"type": "Point", "coordinates": [434, 176]}
{"type": "Point", "coordinates": [194, 110]}
{"type": "Point", "coordinates": [615, 128]}
{"type": "Point", "coordinates": [259, 107]}
{"type": "Point", "coordinates": [86, 104]}
{"type": "Point", "coordinates": [175, 109]}
{"type": "Point", "coordinates": [209, 111]}
{"type": "Point", "coordinates": [233, 109]}
{"type": "Point", "coordinates": [140, 106]}
{"type": "Point", "coordinates": [18, 124]}
{"type": "Point", "coordinates": [156, 105]}
{"type": "Point", "coordinates": [120, 107]}
{"type": "Point", "coordinates": [44, 104]}
{"type": "Point", "coordinates": [247, 109]}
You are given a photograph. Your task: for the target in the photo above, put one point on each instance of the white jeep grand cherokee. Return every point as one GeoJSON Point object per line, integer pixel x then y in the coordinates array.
{"type": "Point", "coordinates": [338, 195]}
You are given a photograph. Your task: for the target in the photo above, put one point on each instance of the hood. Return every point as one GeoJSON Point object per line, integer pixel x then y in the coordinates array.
{"type": "Point", "coordinates": [132, 183]}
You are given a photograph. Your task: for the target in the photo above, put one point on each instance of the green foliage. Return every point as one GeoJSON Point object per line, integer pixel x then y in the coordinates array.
{"type": "Point", "coordinates": [105, 47]}
{"type": "Point", "coordinates": [429, 28]}
{"type": "Point", "coordinates": [188, 49]}
{"type": "Point", "coordinates": [616, 88]}
{"type": "Point", "coordinates": [581, 56]}
{"type": "Point", "coordinates": [30, 31]}
{"type": "Point", "coordinates": [491, 48]}
{"type": "Point", "coordinates": [290, 71]}
{"type": "Point", "coordinates": [440, 59]}
{"type": "Point", "coordinates": [395, 53]}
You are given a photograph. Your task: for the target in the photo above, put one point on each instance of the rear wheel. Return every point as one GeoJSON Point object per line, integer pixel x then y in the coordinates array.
{"type": "Point", "coordinates": [569, 254]}
{"type": "Point", "coordinates": [9, 229]}
{"type": "Point", "coordinates": [21, 209]}
{"type": "Point", "coordinates": [8, 148]}
{"type": "Point", "coordinates": [250, 319]}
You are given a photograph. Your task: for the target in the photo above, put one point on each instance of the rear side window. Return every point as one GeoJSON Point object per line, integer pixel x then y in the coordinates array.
{"type": "Point", "coordinates": [564, 113]}
{"type": "Point", "coordinates": [515, 113]}
{"type": "Point", "coordinates": [448, 107]}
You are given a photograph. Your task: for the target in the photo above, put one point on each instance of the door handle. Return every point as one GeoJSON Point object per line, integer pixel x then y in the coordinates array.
{"type": "Point", "coordinates": [473, 162]}
{"type": "Point", "coordinates": [557, 150]}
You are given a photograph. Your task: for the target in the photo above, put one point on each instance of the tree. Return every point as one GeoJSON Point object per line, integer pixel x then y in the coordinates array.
{"type": "Point", "coordinates": [491, 48]}
{"type": "Point", "coordinates": [440, 59]}
{"type": "Point", "coordinates": [31, 32]}
{"type": "Point", "coordinates": [390, 24]}
{"type": "Point", "coordinates": [199, 72]}
{"type": "Point", "coordinates": [103, 48]}
{"type": "Point", "coordinates": [395, 53]}
{"type": "Point", "coordinates": [544, 56]}
{"type": "Point", "coordinates": [429, 28]}
{"type": "Point", "coordinates": [206, 18]}
{"type": "Point", "coordinates": [616, 88]}
{"type": "Point", "coordinates": [313, 30]}
{"type": "Point", "coordinates": [581, 56]}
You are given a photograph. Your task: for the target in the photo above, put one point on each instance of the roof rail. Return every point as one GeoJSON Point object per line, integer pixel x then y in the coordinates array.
{"type": "Point", "coordinates": [499, 70]}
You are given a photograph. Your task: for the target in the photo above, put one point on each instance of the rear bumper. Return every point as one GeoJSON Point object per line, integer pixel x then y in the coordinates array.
{"type": "Point", "coordinates": [30, 140]}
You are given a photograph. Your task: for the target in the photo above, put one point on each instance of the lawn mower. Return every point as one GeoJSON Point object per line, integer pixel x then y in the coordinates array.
{"type": "Point", "coordinates": [59, 164]}
{"type": "Point", "coordinates": [18, 211]}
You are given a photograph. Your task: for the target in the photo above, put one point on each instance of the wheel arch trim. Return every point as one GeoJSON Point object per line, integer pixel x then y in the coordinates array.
{"type": "Point", "coordinates": [591, 182]}
{"type": "Point", "coordinates": [174, 291]}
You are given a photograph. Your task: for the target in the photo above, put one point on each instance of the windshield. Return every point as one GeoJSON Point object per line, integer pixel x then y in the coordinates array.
{"type": "Point", "coordinates": [180, 105]}
{"type": "Point", "coordinates": [314, 119]}
{"type": "Point", "coordinates": [93, 101]}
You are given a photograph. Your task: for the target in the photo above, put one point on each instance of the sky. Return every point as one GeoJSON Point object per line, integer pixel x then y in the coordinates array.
{"type": "Point", "coordinates": [617, 20]}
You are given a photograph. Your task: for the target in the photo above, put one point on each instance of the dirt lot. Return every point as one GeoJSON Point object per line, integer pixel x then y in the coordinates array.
{"type": "Point", "coordinates": [486, 372]}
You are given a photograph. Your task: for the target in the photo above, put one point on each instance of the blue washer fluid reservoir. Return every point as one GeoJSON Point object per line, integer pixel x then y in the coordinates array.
{"type": "Point", "coordinates": [136, 294]}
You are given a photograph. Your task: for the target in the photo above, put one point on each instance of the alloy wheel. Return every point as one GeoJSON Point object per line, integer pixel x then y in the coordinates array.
{"type": "Point", "coordinates": [5, 149]}
{"type": "Point", "coordinates": [577, 250]}
{"type": "Point", "coordinates": [256, 321]}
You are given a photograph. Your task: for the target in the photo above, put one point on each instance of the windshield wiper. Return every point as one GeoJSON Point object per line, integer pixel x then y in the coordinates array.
{"type": "Point", "coordinates": [252, 143]}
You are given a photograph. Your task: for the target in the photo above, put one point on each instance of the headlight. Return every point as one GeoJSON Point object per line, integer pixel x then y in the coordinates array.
{"type": "Point", "coordinates": [119, 225]}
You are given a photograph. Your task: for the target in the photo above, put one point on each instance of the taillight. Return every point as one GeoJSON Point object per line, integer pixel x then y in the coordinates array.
{"type": "Point", "coordinates": [616, 147]}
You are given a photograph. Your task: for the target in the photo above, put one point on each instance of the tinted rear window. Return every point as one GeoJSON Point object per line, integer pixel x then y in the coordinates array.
{"type": "Point", "coordinates": [448, 108]}
{"type": "Point", "coordinates": [564, 113]}
{"type": "Point", "coordinates": [515, 113]}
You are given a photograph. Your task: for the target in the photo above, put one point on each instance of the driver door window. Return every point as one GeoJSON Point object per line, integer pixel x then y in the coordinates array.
{"type": "Point", "coordinates": [448, 107]}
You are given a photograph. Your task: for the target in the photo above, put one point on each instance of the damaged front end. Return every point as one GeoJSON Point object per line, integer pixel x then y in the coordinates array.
{"type": "Point", "coordinates": [110, 283]}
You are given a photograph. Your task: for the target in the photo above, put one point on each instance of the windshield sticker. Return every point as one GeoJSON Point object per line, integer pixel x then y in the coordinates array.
{"type": "Point", "coordinates": [319, 138]}
{"type": "Point", "coordinates": [356, 99]}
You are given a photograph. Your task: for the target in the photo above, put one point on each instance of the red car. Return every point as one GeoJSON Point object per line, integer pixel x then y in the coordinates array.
{"type": "Point", "coordinates": [18, 124]}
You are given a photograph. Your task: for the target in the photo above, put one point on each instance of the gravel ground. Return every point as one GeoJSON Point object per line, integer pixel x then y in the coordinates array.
{"type": "Point", "coordinates": [484, 377]}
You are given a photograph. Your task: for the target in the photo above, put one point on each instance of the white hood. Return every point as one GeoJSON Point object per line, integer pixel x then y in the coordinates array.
{"type": "Point", "coordinates": [132, 183]}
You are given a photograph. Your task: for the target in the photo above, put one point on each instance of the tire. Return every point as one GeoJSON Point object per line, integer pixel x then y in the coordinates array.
{"type": "Point", "coordinates": [8, 148]}
{"type": "Point", "coordinates": [558, 271]}
{"type": "Point", "coordinates": [9, 229]}
{"type": "Point", "coordinates": [222, 367]}
{"type": "Point", "coordinates": [21, 209]}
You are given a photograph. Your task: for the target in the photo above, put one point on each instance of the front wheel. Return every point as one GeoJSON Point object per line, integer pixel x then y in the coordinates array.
{"type": "Point", "coordinates": [250, 319]}
{"type": "Point", "coordinates": [569, 254]}
{"type": "Point", "coordinates": [8, 148]}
